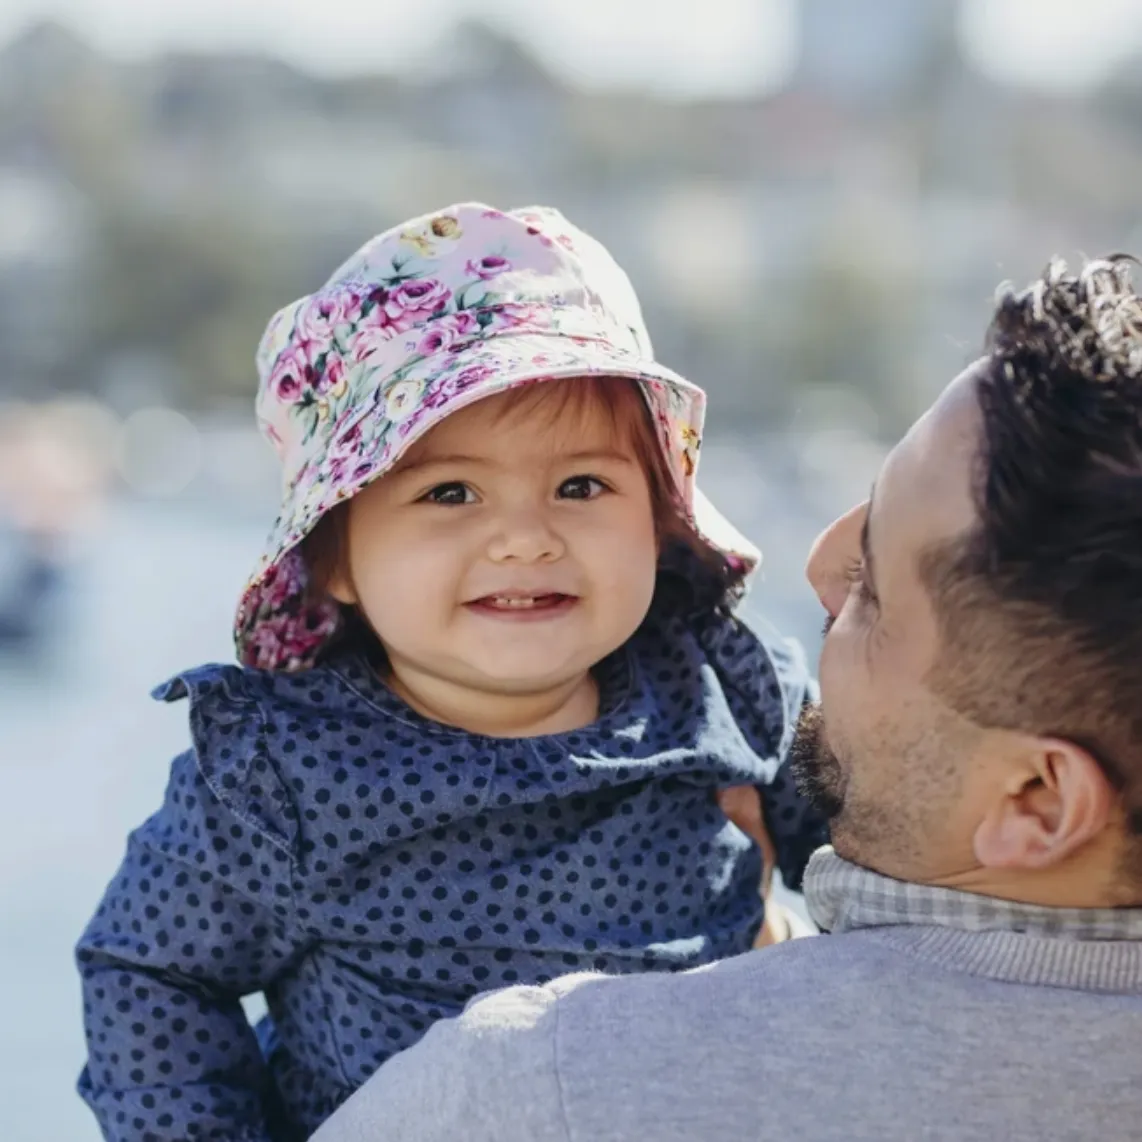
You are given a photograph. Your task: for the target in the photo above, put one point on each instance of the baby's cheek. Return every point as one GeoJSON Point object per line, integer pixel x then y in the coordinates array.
{"type": "Point", "coordinates": [399, 596]}
{"type": "Point", "coordinates": [632, 576]}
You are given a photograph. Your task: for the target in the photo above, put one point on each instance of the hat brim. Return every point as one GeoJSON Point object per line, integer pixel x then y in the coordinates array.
{"type": "Point", "coordinates": [279, 626]}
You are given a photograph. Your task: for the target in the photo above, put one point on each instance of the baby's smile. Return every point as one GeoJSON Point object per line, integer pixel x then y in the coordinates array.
{"type": "Point", "coordinates": [528, 606]}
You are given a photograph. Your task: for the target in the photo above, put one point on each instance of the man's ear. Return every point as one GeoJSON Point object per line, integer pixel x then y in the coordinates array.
{"type": "Point", "coordinates": [1056, 800]}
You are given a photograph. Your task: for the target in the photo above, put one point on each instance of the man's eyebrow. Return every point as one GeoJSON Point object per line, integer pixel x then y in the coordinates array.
{"type": "Point", "coordinates": [866, 543]}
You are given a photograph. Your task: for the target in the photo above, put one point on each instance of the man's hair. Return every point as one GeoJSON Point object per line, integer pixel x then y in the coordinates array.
{"type": "Point", "coordinates": [1040, 603]}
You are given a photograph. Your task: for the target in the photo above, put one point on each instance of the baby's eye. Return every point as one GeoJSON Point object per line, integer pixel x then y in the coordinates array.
{"type": "Point", "coordinates": [581, 488]}
{"type": "Point", "coordinates": [450, 495]}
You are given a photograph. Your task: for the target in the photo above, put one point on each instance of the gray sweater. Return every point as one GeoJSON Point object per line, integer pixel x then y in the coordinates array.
{"type": "Point", "coordinates": [992, 1023]}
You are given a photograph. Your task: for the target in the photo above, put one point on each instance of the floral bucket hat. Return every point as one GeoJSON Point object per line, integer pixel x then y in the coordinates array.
{"type": "Point", "coordinates": [424, 319]}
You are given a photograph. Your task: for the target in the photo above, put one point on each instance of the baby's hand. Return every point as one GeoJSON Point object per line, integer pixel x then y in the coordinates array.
{"type": "Point", "coordinates": [742, 804]}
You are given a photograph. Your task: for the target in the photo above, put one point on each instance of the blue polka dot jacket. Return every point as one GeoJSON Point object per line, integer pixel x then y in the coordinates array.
{"type": "Point", "coordinates": [370, 871]}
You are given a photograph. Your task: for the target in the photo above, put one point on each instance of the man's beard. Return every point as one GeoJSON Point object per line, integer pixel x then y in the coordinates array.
{"type": "Point", "coordinates": [819, 775]}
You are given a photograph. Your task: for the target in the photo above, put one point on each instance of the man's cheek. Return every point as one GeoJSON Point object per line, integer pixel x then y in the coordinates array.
{"type": "Point", "coordinates": [831, 670]}
{"type": "Point", "coordinates": [845, 698]}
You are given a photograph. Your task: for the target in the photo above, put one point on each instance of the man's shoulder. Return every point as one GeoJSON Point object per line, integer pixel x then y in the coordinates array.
{"type": "Point", "coordinates": [783, 975]}
{"type": "Point", "coordinates": [491, 1073]}
{"type": "Point", "coordinates": [716, 1051]}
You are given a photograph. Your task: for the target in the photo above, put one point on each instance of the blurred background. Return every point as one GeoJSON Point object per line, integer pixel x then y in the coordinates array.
{"type": "Point", "coordinates": [815, 199]}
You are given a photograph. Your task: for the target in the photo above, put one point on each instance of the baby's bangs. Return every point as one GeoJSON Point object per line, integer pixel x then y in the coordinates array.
{"type": "Point", "coordinates": [566, 403]}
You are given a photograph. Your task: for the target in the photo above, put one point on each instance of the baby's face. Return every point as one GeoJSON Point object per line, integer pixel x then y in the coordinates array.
{"type": "Point", "coordinates": [506, 553]}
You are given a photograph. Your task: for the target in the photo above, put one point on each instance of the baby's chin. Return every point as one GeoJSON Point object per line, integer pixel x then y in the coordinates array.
{"type": "Point", "coordinates": [530, 657]}
{"type": "Point", "coordinates": [524, 678]}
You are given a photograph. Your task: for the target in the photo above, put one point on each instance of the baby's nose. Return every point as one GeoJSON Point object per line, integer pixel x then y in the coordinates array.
{"type": "Point", "coordinates": [525, 537]}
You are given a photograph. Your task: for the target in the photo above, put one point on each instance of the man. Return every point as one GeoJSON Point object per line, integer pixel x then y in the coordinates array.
{"type": "Point", "coordinates": [979, 752]}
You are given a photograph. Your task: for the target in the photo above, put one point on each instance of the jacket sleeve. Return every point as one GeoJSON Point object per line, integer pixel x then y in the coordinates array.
{"type": "Point", "coordinates": [767, 684]}
{"type": "Point", "coordinates": [198, 915]}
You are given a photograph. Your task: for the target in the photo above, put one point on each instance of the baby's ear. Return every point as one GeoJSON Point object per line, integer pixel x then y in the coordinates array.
{"type": "Point", "coordinates": [339, 586]}
{"type": "Point", "coordinates": [324, 552]}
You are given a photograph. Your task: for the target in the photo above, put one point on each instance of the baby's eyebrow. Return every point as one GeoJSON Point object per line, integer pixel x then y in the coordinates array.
{"type": "Point", "coordinates": [608, 454]}
{"type": "Point", "coordinates": [460, 458]}
{"type": "Point", "coordinates": [430, 460]}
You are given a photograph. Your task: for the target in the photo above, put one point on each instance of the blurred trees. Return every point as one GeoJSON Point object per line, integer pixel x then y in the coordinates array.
{"type": "Point", "coordinates": [154, 215]}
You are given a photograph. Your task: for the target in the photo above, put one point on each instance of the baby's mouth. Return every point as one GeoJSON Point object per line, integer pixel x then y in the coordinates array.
{"type": "Point", "coordinates": [513, 602]}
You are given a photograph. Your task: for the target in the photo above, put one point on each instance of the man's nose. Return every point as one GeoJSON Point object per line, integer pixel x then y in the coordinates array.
{"type": "Point", "coordinates": [525, 536]}
{"type": "Point", "coordinates": [834, 550]}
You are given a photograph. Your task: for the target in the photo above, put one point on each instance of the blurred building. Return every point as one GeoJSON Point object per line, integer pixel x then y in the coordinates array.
{"type": "Point", "coordinates": [878, 52]}
{"type": "Point", "coordinates": [848, 229]}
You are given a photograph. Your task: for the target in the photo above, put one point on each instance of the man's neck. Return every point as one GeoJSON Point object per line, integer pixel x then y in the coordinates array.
{"type": "Point", "coordinates": [844, 897]}
{"type": "Point", "coordinates": [1091, 878]}
{"type": "Point", "coordinates": [1059, 888]}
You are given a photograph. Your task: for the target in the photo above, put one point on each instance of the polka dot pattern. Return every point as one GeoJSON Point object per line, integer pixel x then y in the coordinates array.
{"type": "Point", "coordinates": [371, 871]}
